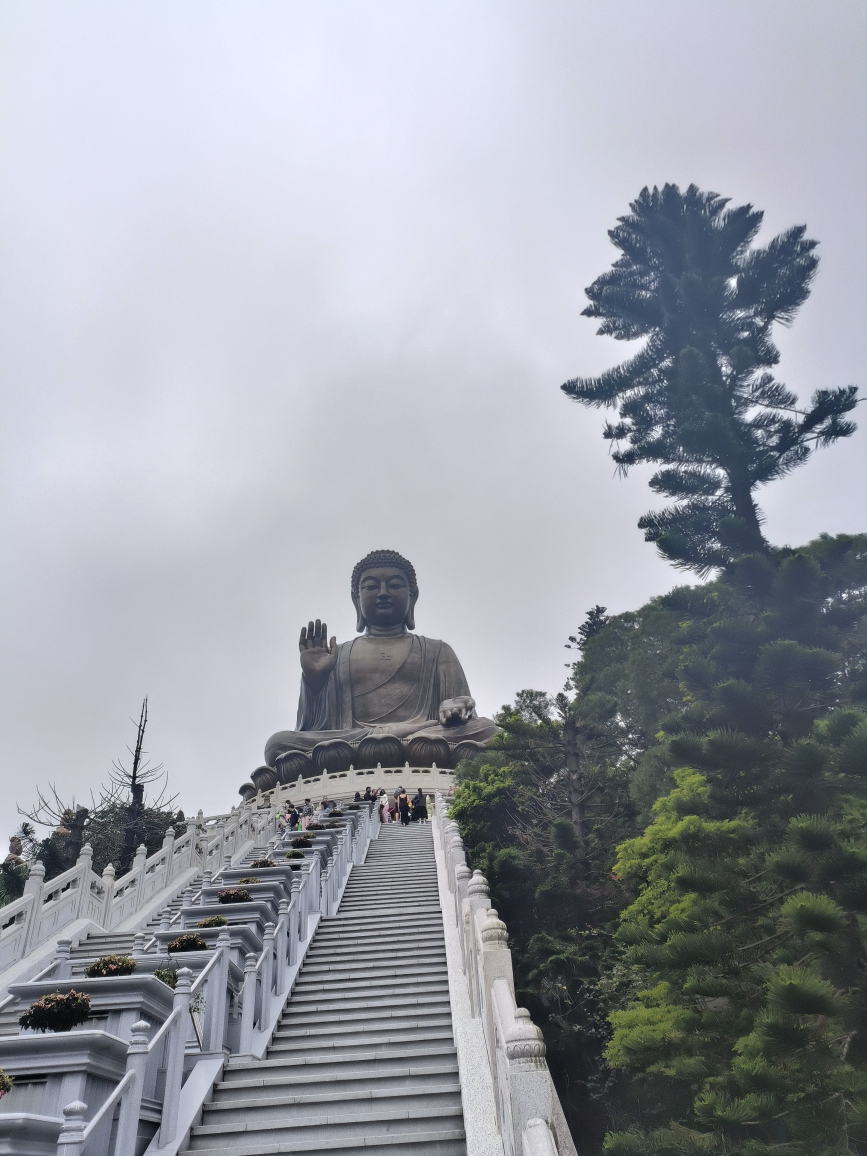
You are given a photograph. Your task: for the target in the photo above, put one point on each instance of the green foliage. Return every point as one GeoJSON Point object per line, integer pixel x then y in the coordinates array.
{"type": "Point", "coordinates": [168, 976]}
{"type": "Point", "coordinates": [6, 1083]}
{"type": "Point", "coordinates": [57, 1012]}
{"type": "Point", "coordinates": [189, 941]}
{"type": "Point", "coordinates": [699, 398]}
{"type": "Point", "coordinates": [235, 895]}
{"type": "Point", "coordinates": [213, 921]}
{"type": "Point", "coordinates": [692, 942]}
{"type": "Point", "coordinates": [108, 965]}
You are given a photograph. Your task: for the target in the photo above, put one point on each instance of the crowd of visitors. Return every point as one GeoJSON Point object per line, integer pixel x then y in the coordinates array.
{"type": "Point", "coordinates": [396, 808]}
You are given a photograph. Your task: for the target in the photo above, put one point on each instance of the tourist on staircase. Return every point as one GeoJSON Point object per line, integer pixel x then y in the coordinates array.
{"type": "Point", "coordinates": [419, 807]}
{"type": "Point", "coordinates": [404, 807]}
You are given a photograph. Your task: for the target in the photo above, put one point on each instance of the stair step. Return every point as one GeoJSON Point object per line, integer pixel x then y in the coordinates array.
{"type": "Point", "coordinates": [448, 1142]}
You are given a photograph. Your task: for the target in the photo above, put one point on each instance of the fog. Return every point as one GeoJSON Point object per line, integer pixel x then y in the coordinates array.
{"type": "Point", "coordinates": [283, 283]}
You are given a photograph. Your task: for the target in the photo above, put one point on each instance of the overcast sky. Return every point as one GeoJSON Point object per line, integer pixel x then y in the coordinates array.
{"type": "Point", "coordinates": [283, 283]}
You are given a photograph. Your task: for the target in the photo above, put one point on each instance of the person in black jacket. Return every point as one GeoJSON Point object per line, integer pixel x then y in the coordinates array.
{"type": "Point", "coordinates": [403, 805]}
{"type": "Point", "coordinates": [419, 807]}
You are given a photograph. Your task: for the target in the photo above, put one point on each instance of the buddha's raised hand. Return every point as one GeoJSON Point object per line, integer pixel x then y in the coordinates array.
{"type": "Point", "coordinates": [318, 656]}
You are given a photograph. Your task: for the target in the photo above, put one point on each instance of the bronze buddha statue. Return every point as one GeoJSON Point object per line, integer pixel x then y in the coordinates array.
{"type": "Point", "coordinates": [389, 696]}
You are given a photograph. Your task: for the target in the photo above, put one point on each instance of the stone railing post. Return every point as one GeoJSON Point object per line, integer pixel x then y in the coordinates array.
{"type": "Point", "coordinates": [84, 863]}
{"type": "Point", "coordinates": [175, 1059]}
{"type": "Point", "coordinates": [70, 1142]}
{"type": "Point", "coordinates": [190, 856]}
{"type": "Point", "coordinates": [63, 968]}
{"type": "Point", "coordinates": [267, 970]}
{"type": "Point", "coordinates": [248, 1005]}
{"type": "Point", "coordinates": [531, 1093]}
{"type": "Point", "coordinates": [130, 1108]}
{"type": "Point", "coordinates": [169, 848]}
{"type": "Point", "coordinates": [216, 997]}
{"type": "Point", "coordinates": [495, 963]}
{"type": "Point", "coordinates": [294, 915]}
{"type": "Point", "coordinates": [281, 944]}
{"type": "Point", "coordinates": [107, 894]}
{"type": "Point", "coordinates": [34, 887]}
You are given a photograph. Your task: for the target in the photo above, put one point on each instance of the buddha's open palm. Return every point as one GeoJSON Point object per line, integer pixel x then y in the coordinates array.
{"type": "Point", "coordinates": [318, 656]}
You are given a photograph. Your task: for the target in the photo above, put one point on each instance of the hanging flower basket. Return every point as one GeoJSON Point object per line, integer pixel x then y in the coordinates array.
{"type": "Point", "coordinates": [258, 863]}
{"type": "Point", "coordinates": [6, 1083]}
{"type": "Point", "coordinates": [111, 965]}
{"type": "Point", "coordinates": [294, 855]}
{"type": "Point", "coordinates": [59, 1011]}
{"type": "Point", "coordinates": [188, 942]}
{"type": "Point", "coordinates": [213, 921]}
{"type": "Point", "coordinates": [235, 895]}
{"type": "Point", "coordinates": [315, 827]}
{"type": "Point", "coordinates": [302, 842]}
{"type": "Point", "coordinates": [249, 879]}
{"type": "Point", "coordinates": [166, 975]}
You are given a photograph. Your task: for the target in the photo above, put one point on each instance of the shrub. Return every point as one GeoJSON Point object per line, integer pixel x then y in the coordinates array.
{"type": "Point", "coordinates": [6, 1083]}
{"type": "Point", "coordinates": [166, 975]}
{"type": "Point", "coordinates": [263, 863]}
{"type": "Point", "coordinates": [57, 1012]}
{"type": "Point", "coordinates": [294, 855]}
{"type": "Point", "coordinates": [249, 879]}
{"type": "Point", "coordinates": [234, 895]}
{"type": "Point", "coordinates": [187, 942]}
{"type": "Point", "coordinates": [111, 965]}
{"type": "Point", "coordinates": [213, 921]}
{"type": "Point", "coordinates": [301, 841]}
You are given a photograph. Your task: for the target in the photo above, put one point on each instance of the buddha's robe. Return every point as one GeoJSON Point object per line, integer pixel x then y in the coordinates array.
{"type": "Point", "coordinates": [405, 703]}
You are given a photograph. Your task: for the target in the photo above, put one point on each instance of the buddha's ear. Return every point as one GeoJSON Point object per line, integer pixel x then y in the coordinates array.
{"type": "Point", "coordinates": [410, 614]}
{"type": "Point", "coordinates": [360, 624]}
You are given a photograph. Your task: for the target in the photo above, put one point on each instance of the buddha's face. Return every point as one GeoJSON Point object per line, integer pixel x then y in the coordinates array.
{"type": "Point", "coordinates": [384, 596]}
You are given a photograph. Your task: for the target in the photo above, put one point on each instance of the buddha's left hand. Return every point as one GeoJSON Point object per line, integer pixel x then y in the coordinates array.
{"type": "Point", "coordinates": [454, 711]}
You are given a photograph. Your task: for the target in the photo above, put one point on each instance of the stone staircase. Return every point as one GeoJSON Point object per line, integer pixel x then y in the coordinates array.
{"type": "Point", "coordinates": [364, 1056]}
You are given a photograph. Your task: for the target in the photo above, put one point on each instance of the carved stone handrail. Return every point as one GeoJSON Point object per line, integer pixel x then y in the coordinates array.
{"type": "Point", "coordinates": [529, 1115]}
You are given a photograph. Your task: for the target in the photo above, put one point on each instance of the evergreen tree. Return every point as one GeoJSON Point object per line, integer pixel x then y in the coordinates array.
{"type": "Point", "coordinates": [699, 398]}
{"type": "Point", "coordinates": [750, 1037]}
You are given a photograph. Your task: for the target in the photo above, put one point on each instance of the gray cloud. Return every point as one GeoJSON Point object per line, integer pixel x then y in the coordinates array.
{"type": "Point", "coordinates": [283, 283]}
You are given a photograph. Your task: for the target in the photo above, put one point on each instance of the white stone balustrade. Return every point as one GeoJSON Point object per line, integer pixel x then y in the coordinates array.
{"type": "Point", "coordinates": [529, 1115]}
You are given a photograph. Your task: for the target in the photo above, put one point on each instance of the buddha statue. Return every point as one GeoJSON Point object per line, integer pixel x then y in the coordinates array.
{"type": "Point", "coordinates": [387, 697]}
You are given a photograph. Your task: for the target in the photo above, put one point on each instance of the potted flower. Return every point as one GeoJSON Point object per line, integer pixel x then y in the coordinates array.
{"type": "Point", "coordinates": [301, 841]}
{"type": "Point", "coordinates": [166, 975]}
{"type": "Point", "coordinates": [111, 965]}
{"type": "Point", "coordinates": [249, 879]}
{"type": "Point", "coordinates": [294, 855]}
{"type": "Point", "coordinates": [258, 863]}
{"type": "Point", "coordinates": [234, 895]}
{"type": "Point", "coordinates": [59, 1011]}
{"type": "Point", "coordinates": [315, 827]}
{"type": "Point", "coordinates": [187, 942]}
{"type": "Point", "coordinates": [213, 921]}
{"type": "Point", "coordinates": [6, 1083]}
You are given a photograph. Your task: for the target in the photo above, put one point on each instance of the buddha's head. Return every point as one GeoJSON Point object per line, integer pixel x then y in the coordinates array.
{"type": "Point", "coordinates": [384, 591]}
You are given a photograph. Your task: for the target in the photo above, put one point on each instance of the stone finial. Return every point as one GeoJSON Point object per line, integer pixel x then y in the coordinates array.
{"type": "Point", "coordinates": [169, 836]}
{"type": "Point", "coordinates": [138, 945]}
{"type": "Point", "coordinates": [86, 853]}
{"type": "Point", "coordinates": [462, 873]}
{"type": "Point", "coordinates": [478, 886]}
{"type": "Point", "coordinates": [109, 873]}
{"type": "Point", "coordinates": [523, 1039]}
{"type": "Point", "coordinates": [493, 930]}
{"type": "Point", "coordinates": [139, 1038]}
{"type": "Point", "coordinates": [184, 980]}
{"type": "Point", "coordinates": [71, 1135]}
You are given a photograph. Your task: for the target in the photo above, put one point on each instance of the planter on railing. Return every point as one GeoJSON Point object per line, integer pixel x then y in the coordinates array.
{"type": "Point", "coordinates": [57, 1012]}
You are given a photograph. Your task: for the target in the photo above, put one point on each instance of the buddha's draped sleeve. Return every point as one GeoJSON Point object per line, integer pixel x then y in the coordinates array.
{"type": "Point", "coordinates": [331, 707]}
{"type": "Point", "coordinates": [451, 682]}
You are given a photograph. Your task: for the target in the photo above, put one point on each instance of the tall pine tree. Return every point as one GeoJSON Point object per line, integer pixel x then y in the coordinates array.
{"type": "Point", "coordinates": [698, 398]}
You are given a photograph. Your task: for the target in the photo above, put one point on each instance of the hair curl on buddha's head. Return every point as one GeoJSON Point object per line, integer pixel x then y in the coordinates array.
{"type": "Point", "coordinates": [385, 558]}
